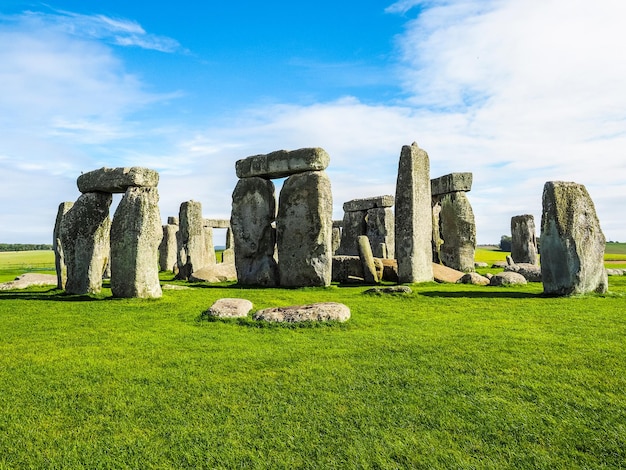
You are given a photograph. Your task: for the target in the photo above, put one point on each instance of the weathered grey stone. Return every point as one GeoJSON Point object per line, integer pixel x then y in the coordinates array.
{"type": "Point", "coordinates": [336, 239]}
{"type": "Point", "coordinates": [615, 272]}
{"type": "Point", "coordinates": [389, 290]}
{"type": "Point", "coordinates": [473, 278]}
{"type": "Point", "coordinates": [507, 278]}
{"type": "Point", "coordinates": [136, 233]}
{"type": "Point", "coordinates": [499, 264]}
{"type": "Point", "coordinates": [228, 255]}
{"type": "Point", "coordinates": [193, 254]}
{"type": "Point", "coordinates": [413, 220]}
{"type": "Point", "coordinates": [230, 308]}
{"type": "Point", "coordinates": [457, 228]}
{"type": "Point", "coordinates": [283, 163]}
{"type": "Point", "coordinates": [337, 223]}
{"type": "Point", "coordinates": [221, 272]}
{"type": "Point", "coordinates": [531, 272]}
{"type": "Point", "coordinates": [324, 311]}
{"type": "Point", "coordinates": [59, 259]}
{"type": "Point", "coordinates": [356, 205]}
{"type": "Point", "coordinates": [217, 223]}
{"type": "Point", "coordinates": [168, 248]}
{"type": "Point", "coordinates": [304, 230]}
{"type": "Point", "coordinates": [253, 211]}
{"type": "Point", "coordinates": [480, 264]}
{"type": "Point", "coordinates": [346, 267]}
{"type": "Point", "coordinates": [509, 260]}
{"type": "Point", "coordinates": [523, 239]}
{"type": "Point", "coordinates": [572, 243]}
{"type": "Point", "coordinates": [380, 231]}
{"type": "Point", "coordinates": [84, 235]}
{"type": "Point", "coordinates": [208, 245]}
{"type": "Point", "coordinates": [354, 225]}
{"type": "Point", "coordinates": [171, 220]}
{"type": "Point", "coordinates": [367, 260]}
{"type": "Point", "coordinates": [117, 180]}
{"type": "Point", "coordinates": [451, 183]}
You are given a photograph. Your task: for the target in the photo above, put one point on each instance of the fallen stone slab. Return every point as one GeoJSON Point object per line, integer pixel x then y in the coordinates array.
{"type": "Point", "coordinates": [389, 290]}
{"type": "Point", "coordinates": [508, 278]}
{"type": "Point", "coordinates": [221, 272]}
{"type": "Point", "coordinates": [283, 163]}
{"type": "Point", "coordinates": [29, 279]}
{"type": "Point", "coordinates": [230, 308]}
{"type": "Point", "coordinates": [615, 272]}
{"type": "Point", "coordinates": [117, 180]}
{"type": "Point", "coordinates": [323, 311]}
{"type": "Point", "coordinates": [443, 273]}
{"type": "Point", "coordinates": [474, 279]}
{"type": "Point", "coordinates": [480, 264]}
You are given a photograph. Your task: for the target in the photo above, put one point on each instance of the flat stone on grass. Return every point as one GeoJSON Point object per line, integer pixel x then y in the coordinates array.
{"type": "Point", "coordinates": [323, 311]}
{"type": "Point", "coordinates": [230, 308]}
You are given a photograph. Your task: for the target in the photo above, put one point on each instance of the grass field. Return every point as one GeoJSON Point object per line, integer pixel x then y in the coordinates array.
{"type": "Point", "coordinates": [451, 376]}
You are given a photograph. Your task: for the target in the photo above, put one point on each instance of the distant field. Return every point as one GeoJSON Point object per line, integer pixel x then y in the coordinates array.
{"type": "Point", "coordinates": [14, 263]}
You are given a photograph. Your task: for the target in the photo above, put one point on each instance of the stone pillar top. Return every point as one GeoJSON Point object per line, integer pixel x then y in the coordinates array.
{"type": "Point", "coordinates": [368, 203]}
{"type": "Point", "coordinates": [117, 180]}
{"type": "Point", "coordinates": [451, 183]}
{"type": "Point", "coordinates": [283, 163]}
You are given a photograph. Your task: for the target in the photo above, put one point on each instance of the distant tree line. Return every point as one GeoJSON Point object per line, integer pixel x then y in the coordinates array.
{"type": "Point", "coordinates": [23, 247]}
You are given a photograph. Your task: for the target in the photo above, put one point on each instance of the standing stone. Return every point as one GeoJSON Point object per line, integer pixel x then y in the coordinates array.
{"type": "Point", "coordinates": [413, 220]}
{"type": "Point", "coordinates": [367, 260]}
{"type": "Point", "coordinates": [84, 235]}
{"type": "Point", "coordinates": [336, 238]}
{"type": "Point", "coordinates": [228, 255]}
{"type": "Point", "coordinates": [572, 243]}
{"type": "Point", "coordinates": [354, 225]}
{"type": "Point", "coordinates": [457, 225]}
{"type": "Point", "coordinates": [59, 259]}
{"type": "Point", "coordinates": [380, 231]}
{"type": "Point", "coordinates": [304, 230]}
{"type": "Point", "coordinates": [136, 233]}
{"type": "Point", "coordinates": [208, 244]}
{"type": "Point", "coordinates": [523, 239]}
{"type": "Point", "coordinates": [193, 254]}
{"type": "Point", "coordinates": [253, 211]}
{"type": "Point", "coordinates": [168, 248]}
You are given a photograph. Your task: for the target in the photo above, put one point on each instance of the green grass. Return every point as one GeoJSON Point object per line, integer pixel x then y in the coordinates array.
{"type": "Point", "coordinates": [452, 376]}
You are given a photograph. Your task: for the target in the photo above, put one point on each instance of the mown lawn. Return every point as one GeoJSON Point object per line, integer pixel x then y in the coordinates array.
{"type": "Point", "coordinates": [449, 377]}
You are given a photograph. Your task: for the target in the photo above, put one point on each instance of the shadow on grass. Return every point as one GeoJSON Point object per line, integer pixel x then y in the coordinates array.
{"type": "Point", "coordinates": [54, 295]}
{"type": "Point", "coordinates": [512, 294]}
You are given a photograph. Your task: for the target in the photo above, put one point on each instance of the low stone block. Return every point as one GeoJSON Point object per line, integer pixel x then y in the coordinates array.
{"type": "Point", "coordinates": [531, 272]}
{"type": "Point", "coordinates": [283, 163]}
{"type": "Point", "coordinates": [451, 183]}
{"type": "Point", "coordinates": [474, 278]}
{"type": "Point", "coordinates": [368, 203]}
{"type": "Point", "coordinates": [507, 278]}
{"type": "Point", "coordinates": [117, 180]}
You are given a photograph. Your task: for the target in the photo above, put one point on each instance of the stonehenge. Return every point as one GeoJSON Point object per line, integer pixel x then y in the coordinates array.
{"type": "Point", "coordinates": [572, 243]}
{"type": "Point", "coordinates": [454, 228]}
{"type": "Point", "coordinates": [89, 240]}
{"type": "Point", "coordinates": [291, 248]}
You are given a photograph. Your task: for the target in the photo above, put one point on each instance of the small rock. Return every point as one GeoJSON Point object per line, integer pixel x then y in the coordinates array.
{"type": "Point", "coordinates": [615, 272]}
{"type": "Point", "coordinates": [500, 264]}
{"type": "Point", "coordinates": [473, 278]}
{"type": "Point", "coordinates": [507, 278]}
{"type": "Point", "coordinates": [389, 290]}
{"type": "Point", "coordinates": [230, 308]}
{"type": "Point", "coordinates": [480, 264]}
{"type": "Point", "coordinates": [531, 272]}
{"type": "Point", "coordinates": [323, 311]}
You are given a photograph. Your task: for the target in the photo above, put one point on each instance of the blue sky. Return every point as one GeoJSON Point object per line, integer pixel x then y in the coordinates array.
{"type": "Point", "coordinates": [517, 92]}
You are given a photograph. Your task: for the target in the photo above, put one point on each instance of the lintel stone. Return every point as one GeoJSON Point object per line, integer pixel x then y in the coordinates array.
{"type": "Point", "coordinates": [451, 183]}
{"type": "Point", "coordinates": [117, 180]}
{"type": "Point", "coordinates": [217, 223]}
{"type": "Point", "coordinates": [368, 203]}
{"type": "Point", "coordinates": [283, 163]}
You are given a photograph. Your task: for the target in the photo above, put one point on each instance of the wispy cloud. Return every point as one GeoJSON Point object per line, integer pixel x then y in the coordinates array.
{"type": "Point", "coordinates": [118, 31]}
